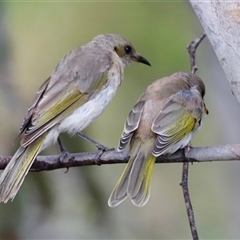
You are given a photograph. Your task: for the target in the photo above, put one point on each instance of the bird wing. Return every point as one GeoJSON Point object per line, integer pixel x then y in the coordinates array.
{"type": "Point", "coordinates": [131, 124]}
{"type": "Point", "coordinates": [61, 94]}
{"type": "Point", "coordinates": [35, 101]}
{"type": "Point", "coordinates": [175, 121]}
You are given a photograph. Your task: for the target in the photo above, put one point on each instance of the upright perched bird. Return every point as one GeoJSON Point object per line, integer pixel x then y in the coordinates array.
{"type": "Point", "coordinates": [162, 121]}
{"type": "Point", "coordinates": [77, 92]}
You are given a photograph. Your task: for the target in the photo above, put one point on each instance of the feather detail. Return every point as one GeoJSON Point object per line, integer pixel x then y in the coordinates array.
{"type": "Point", "coordinates": [135, 179]}
{"type": "Point", "coordinates": [13, 175]}
{"type": "Point", "coordinates": [131, 124]}
{"type": "Point", "coordinates": [179, 118]}
{"type": "Point", "coordinates": [119, 193]}
{"type": "Point", "coordinates": [140, 178]}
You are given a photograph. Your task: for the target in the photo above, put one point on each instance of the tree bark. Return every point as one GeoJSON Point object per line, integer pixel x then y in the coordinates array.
{"type": "Point", "coordinates": [221, 22]}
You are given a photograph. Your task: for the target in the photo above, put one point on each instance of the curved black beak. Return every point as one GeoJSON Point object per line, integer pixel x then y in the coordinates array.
{"type": "Point", "coordinates": [143, 60]}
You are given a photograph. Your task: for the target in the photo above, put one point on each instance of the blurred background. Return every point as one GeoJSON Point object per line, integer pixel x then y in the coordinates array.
{"type": "Point", "coordinates": [59, 205]}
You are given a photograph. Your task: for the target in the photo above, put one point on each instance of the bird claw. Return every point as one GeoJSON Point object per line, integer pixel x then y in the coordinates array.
{"type": "Point", "coordinates": [100, 152]}
{"type": "Point", "coordinates": [105, 149]}
{"type": "Point", "coordinates": [64, 155]}
{"type": "Point", "coordinates": [97, 159]}
{"type": "Point", "coordinates": [186, 150]}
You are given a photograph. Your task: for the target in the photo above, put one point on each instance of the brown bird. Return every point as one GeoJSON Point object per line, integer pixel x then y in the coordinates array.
{"type": "Point", "coordinates": [77, 92]}
{"type": "Point", "coordinates": [162, 121]}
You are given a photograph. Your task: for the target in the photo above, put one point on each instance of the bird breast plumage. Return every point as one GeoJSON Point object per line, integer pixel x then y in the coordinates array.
{"type": "Point", "coordinates": [86, 113]}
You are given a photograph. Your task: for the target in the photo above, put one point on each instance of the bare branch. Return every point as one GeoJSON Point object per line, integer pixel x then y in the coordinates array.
{"type": "Point", "coordinates": [192, 47]}
{"type": "Point", "coordinates": [197, 154]}
{"type": "Point", "coordinates": [188, 204]}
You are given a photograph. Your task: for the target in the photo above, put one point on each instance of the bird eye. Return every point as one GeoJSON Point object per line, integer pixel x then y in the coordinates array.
{"type": "Point", "coordinates": [128, 49]}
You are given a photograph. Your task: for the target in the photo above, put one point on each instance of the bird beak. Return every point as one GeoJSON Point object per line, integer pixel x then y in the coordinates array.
{"type": "Point", "coordinates": [142, 60]}
{"type": "Point", "coordinates": [205, 109]}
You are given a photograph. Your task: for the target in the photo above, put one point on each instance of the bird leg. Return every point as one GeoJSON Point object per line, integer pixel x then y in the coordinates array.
{"type": "Point", "coordinates": [64, 153]}
{"type": "Point", "coordinates": [101, 148]}
{"type": "Point", "coordinates": [95, 143]}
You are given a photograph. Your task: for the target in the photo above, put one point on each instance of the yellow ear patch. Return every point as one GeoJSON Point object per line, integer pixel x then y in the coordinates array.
{"type": "Point", "coordinates": [120, 51]}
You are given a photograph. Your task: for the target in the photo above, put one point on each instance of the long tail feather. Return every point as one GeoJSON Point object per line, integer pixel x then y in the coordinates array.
{"type": "Point", "coordinates": [140, 178]}
{"type": "Point", "coordinates": [119, 193]}
{"type": "Point", "coordinates": [13, 175]}
{"type": "Point", "coordinates": [135, 180]}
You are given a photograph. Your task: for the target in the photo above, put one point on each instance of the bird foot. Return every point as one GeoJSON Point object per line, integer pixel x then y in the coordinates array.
{"type": "Point", "coordinates": [64, 155]}
{"type": "Point", "coordinates": [100, 152]}
{"type": "Point", "coordinates": [186, 150]}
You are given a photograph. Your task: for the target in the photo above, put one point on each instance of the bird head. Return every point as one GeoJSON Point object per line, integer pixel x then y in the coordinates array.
{"type": "Point", "coordinates": [123, 48]}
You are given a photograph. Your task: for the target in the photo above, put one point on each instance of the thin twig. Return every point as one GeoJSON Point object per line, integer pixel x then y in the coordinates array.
{"type": "Point", "coordinates": [192, 47]}
{"type": "Point", "coordinates": [187, 200]}
{"type": "Point", "coordinates": [188, 204]}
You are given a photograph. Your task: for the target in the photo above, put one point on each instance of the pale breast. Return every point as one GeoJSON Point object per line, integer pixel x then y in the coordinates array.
{"type": "Point", "coordinates": [86, 113]}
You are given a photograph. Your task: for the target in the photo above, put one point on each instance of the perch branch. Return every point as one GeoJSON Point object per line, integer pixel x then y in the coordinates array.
{"type": "Point", "coordinates": [196, 154]}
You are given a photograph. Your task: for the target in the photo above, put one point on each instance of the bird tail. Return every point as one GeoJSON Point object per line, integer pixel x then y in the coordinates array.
{"type": "Point", "coordinates": [13, 175]}
{"type": "Point", "coordinates": [135, 180]}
